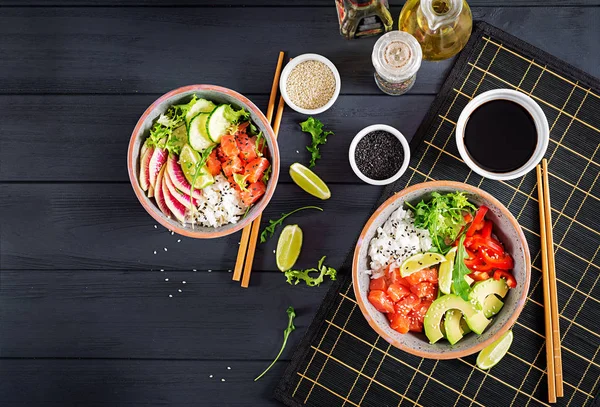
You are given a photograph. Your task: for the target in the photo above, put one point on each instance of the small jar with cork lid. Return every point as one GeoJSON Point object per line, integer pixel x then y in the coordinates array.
{"type": "Point", "coordinates": [396, 57]}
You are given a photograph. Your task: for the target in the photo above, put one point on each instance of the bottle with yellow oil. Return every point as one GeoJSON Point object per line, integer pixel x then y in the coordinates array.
{"type": "Point", "coordinates": [442, 27]}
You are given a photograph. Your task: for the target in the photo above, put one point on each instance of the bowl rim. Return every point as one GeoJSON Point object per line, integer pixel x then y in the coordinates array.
{"type": "Point", "coordinates": [364, 132]}
{"type": "Point", "coordinates": [153, 209]}
{"type": "Point", "coordinates": [523, 100]}
{"type": "Point", "coordinates": [291, 65]}
{"type": "Point", "coordinates": [450, 354]}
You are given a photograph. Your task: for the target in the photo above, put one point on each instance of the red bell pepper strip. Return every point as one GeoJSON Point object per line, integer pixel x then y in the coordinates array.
{"type": "Point", "coordinates": [486, 231]}
{"type": "Point", "coordinates": [479, 275]}
{"type": "Point", "coordinates": [503, 262]}
{"type": "Point", "coordinates": [477, 223]}
{"type": "Point", "coordinates": [510, 280]}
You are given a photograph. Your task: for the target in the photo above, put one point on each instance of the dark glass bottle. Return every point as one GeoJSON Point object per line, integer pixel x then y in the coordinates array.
{"type": "Point", "coordinates": [363, 18]}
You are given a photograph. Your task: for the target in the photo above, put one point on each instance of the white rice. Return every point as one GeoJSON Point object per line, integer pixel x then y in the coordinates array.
{"type": "Point", "coordinates": [397, 240]}
{"type": "Point", "coordinates": [219, 205]}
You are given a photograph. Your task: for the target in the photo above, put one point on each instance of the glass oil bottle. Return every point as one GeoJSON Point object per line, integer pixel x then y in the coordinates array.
{"type": "Point", "coordinates": [363, 18]}
{"type": "Point", "coordinates": [442, 27]}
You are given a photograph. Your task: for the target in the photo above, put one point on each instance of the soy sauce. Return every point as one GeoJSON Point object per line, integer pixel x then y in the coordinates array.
{"type": "Point", "coordinates": [500, 136]}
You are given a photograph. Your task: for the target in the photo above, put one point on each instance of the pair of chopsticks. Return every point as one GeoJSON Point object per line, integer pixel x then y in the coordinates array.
{"type": "Point", "coordinates": [247, 248]}
{"type": "Point", "coordinates": [551, 318]}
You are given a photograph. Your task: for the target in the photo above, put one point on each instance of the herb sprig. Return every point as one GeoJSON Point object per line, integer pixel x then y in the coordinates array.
{"type": "Point", "coordinates": [286, 333]}
{"type": "Point", "coordinates": [198, 167]}
{"type": "Point", "coordinates": [295, 276]}
{"type": "Point", "coordinates": [270, 230]}
{"type": "Point", "coordinates": [460, 270]}
{"type": "Point", "coordinates": [319, 137]}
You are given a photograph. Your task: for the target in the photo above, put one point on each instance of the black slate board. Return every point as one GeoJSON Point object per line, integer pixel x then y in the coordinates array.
{"type": "Point", "coordinates": [342, 361]}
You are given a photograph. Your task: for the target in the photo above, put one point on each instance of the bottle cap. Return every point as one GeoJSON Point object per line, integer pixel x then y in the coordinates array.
{"type": "Point", "coordinates": [397, 56]}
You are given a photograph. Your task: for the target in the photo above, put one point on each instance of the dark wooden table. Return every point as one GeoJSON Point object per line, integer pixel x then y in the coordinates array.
{"type": "Point", "coordinates": [86, 316]}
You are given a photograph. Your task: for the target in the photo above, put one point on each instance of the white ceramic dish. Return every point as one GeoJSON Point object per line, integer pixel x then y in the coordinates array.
{"type": "Point", "coordinates": [286, 73]}
{"type": "Point", "coordinates": [364, 132]}
{"type": "Point", "coordinates": [536, 112]}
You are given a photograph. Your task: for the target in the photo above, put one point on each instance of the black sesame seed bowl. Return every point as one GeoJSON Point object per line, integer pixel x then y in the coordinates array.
{"type": "Point", "coordinates": [379, 154]}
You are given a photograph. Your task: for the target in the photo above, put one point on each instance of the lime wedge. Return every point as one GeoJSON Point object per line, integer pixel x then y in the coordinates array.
{"type": "Point", "coordinates": [420, 261]}
{"type": "Point", "coordinates": [288, 247]}
{"type": "Point", "coordinates": [445, 272]}
{"type": "Point", "coordinates": [309, 181]}
{"type": "Point", "coordinates": [492, 354]}
{"type": "Point", "coordinates": [188, 159]}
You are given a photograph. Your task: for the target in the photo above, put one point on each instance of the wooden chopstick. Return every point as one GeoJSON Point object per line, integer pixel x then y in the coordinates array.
{"type": "Point", "coordinates": [239, 263]}
{"type": "Point", "coordinates": [552, 280]}
{"type": "Point", "coordinates": [256, 223]}
{"type": "Point", "coordinates": [546, 287]}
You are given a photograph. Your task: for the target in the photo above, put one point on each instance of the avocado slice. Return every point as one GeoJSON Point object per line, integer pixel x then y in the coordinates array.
{"type": "Point", "coordinates": [483, 289]}
{"type": "Point", "coordinates": [455, 325]}
{"type": "Point", "coordinates": [491, 306]}
{"type": "Point", "coordinates": [452, 325]}
{"type": "Point", "coordinates": [475, 319]}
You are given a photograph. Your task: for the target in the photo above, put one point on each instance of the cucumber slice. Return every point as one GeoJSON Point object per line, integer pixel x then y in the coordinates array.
{"type": "Point", "coordinates": [197, 136]}
{"type": "Point", "coordinates": [201, 106]}
{"type": "Point", "coordinates": [217, 123]}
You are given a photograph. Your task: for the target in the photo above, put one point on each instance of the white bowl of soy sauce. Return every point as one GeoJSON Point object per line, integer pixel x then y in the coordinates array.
{"type": "Point", "coordinates": [502, 134]}
{"type": "Point", "coordinates": [379, 154]}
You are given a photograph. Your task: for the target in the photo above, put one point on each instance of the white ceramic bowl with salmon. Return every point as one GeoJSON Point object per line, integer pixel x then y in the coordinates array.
{"type": "Point", "coordinates": [218, 95]}
{"type": "Point", "coordinates": [506, 229]}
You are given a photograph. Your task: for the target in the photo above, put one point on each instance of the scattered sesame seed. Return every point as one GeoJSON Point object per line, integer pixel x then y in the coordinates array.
{"type": "Point", "coordinates": [178, 240]}
{"type": "Point", "coordinates": [166, 279]}
{"type": "Point", "coordinates": [179, 290]}
{"type": "Point", "coordinates": [155, 227]}
{"type": "Point", "coordinates": [194, 270]}
{"type": "Point", "coordinates": [210, 376]}
{"type": "Point", "coordinates": [172, 233]}
{"type": "Point", "coordinates": [154, 251]}
{"type": "Point", "coordinates": [222, 380]}
{"type": "Point", "coordinates": [170, 295]}
{"type": "Point", "coordinates": [183, 282]}
{"type": "Point", "coordinates": [228, 367]}
{"type": "Point", "coordinates": [273, 251]}
{"type": "Point", "coordinates": [165, 249]}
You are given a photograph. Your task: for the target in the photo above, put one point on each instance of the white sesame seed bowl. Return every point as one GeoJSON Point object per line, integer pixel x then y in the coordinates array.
{"type": "Point", "coordinates": [310, 84]}
{"type": "Point", "coordinates": [376, 128]}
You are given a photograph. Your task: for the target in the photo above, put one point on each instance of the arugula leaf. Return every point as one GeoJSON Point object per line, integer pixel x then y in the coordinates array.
{"type": "Point", "coordinates": [259, 143]}
{"type": "Point", "coordinates": [443, 217]}
{"type": "Point", "coordinates": [235, 116]}
{"type": "Point", "coordinates": [319, 137]}
{"type": "Point", "coordinates": [286, 333]}
{"type": "Point", "coordinates": [199, 165]}
{"type": "Point", "coordinates": [460, 270]}
{"type": "Point", "coordinates": [267, 174]}
{"type": "Point", "coordinates": [269, 230]}
{"type": "Point", "coordinates": [295, 276]}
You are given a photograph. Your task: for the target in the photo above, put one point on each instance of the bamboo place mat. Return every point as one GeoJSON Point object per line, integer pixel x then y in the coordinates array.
{"type": "Point", "coordinates": [342, 362]}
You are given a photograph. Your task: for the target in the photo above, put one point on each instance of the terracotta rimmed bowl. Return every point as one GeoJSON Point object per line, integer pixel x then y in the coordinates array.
{"type": "Point", "coordinates": [218, 95]}
{"type": "Point", "coordinates": [506, 228]}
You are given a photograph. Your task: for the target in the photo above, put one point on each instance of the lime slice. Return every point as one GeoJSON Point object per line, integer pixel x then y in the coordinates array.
{"type": "Point", "coordinates": [445, 272]}
{"type": "Point", "coordinates": [309, 181]}
{"type": "Point", "coordinates": [420, 261]}
{"type": "Point", "coordinates": [288, 247]}
{"type": "Point", "coordinates": [492, 354]}
{"type": "Point", "coordinates": [188, 159]}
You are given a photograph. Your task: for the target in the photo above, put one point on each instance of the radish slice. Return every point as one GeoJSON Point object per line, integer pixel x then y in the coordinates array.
{"type": "Point", "coordinates": [150, 191]}
{"type": "Point", "coordinates": [159, 157]}
{"type": "Point", "coordinates": [178, 179]}
{"type": "Point", "coordinates": [182, 198]}
{"type": "Point", "coordinates": [176, 208]}
{"type": "Point", "coordinates": [159, 195]}
{"type": "Point", "coordinates": [144, 168]}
